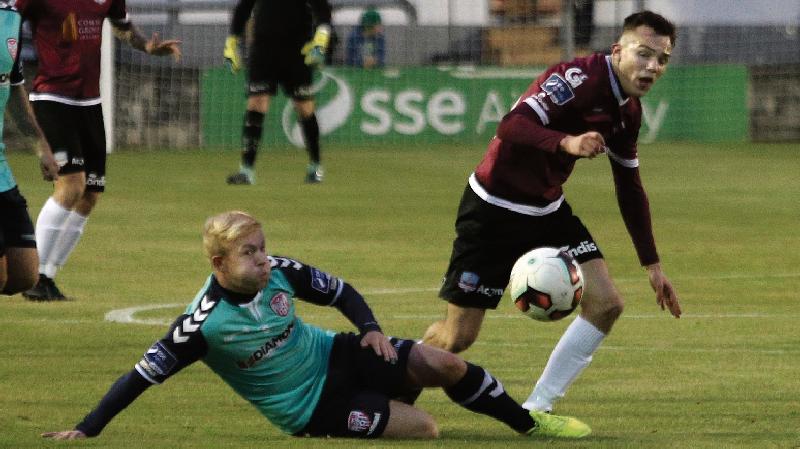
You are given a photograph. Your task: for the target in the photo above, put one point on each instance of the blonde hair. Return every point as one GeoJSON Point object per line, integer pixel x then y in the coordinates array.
{"type": "Point", "coordinates": [223, 229]}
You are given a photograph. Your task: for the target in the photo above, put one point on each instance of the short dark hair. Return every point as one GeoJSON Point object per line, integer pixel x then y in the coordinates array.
{"type": "Point", "coordinates": [657, 22]}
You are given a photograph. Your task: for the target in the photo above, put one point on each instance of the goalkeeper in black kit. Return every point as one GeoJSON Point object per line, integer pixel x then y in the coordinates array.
{"type": "Point", "coordinates": [290, 38]}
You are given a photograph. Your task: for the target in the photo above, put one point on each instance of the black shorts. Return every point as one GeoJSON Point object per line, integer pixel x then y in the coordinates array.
{"type": "Point", "coordinates": [489, 239]}
{"type": "Point", "coordinates": [355, 398]}
{"type": "Point", "coordinates": [77, 136]}
{"type": "Point", "coordinates": [273, 63]}
{"type": "Point", "coordinates": [16, 228]}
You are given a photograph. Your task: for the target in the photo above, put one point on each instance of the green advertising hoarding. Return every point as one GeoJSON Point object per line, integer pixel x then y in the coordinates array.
{"type": "Point", "coordinates": [463, 106]}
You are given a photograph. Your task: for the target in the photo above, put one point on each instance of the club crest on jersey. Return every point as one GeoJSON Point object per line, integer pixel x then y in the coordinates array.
{"type": "Point", "coordinates": [13, 46]}
{"type": "Point", "coordinates": [358, 421]}
{"type": "Point", "coordinates": [558, 89]}
{"type": "Point", "coordinates": [575, 76]}
{"type": "Point", "coordinates": [280, 304]}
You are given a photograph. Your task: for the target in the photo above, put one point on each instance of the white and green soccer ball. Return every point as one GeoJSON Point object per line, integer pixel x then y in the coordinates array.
{"type": "Point", "coordinates": [546, 284]}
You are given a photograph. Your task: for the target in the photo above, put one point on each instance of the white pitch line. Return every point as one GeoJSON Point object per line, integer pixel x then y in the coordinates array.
{"type": "Point", "coordinates": [127, 315]}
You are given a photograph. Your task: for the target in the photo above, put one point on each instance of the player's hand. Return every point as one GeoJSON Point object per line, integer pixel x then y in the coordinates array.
{"type": "Point", "coordinates": [588, 144]}
{"type": "Point", "coordinates": [65, 435]}
{"type": "Point", "coordinates": [314, 50]}
{"type": "Point", "coordinates": [231, 54]}
{"type": "Point", "coordinates": [314, 54]}
{"type": "Point", "coordinates": [47, 162]}
{"type": "Point", "coordinates": [665, 293]}
{"type": "Point", "coordinates": [155, 46]}
{"type": "Point", "coordinates": [380, 344]}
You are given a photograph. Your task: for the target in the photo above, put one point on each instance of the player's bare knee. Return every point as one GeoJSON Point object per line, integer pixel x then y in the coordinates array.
{"type": "Point", "coordinates": [451, 367]}
{"type": "Point", "coordinates": [612, 307]}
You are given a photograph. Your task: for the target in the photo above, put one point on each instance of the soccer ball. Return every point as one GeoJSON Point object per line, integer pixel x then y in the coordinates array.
{"type": "Point", "coordinates": [546, 284]}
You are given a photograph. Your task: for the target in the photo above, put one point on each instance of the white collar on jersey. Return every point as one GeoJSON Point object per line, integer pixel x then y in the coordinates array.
{"type": "Point", "coordinates": [615, 87]}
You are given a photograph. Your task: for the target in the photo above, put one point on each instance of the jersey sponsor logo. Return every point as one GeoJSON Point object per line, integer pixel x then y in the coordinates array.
{"type": "Point", "coordinates": [358, 421]}
{"type": "Point", "coordinates": [13, 46]}
{"type": "Point", "coordinates": [5, 78]}
{"type": "Point", "coordinates": [468, 281]}
{"type": "Point", "coordinates": [259, 88]}
{"type": "Point", "coordinates": [158, 360]}
{"type": "Point", "coordinates": [575, 76]}
{"type": "Point", "coordinates": [266, 350]}
{"type": "Point", "coordinates": [280, 304]}
{"type": "Point", "coordinates": [192, 322]}
{"type": "Point", "coordinates": [320, 281]}
{"type": "Point", "coordinates": [490, 291]}
{"type": "Point", "coordinates": [583, 248]}
{"type": "Point", "coordinates": [94, 180]}
{"type": "Point", "coordinates": [559, 91]}
{"type": "Point", "coordinates": [61, 157]}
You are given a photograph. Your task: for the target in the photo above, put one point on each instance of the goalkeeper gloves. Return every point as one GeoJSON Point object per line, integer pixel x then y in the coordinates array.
{"type": "Point", "coordinates": [231, 54]}
{"type": "Point", "coordinates": [314, 50]}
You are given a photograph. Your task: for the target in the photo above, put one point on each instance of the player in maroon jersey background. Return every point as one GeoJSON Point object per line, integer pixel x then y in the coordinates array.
{"type": "Point", "coordinates": [66, 99]}
{"type": "Point", "coordinates": [514, 200]}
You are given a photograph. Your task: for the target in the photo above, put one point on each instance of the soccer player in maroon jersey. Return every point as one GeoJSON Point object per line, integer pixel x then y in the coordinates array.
{"type": "Point", "coordinates": [514, 200]}
{"type": "Point", "coordinates": [66, 99]}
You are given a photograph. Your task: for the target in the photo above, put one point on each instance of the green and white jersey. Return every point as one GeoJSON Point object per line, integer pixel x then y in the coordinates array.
{"type": "Point", "coordinates": [258, 345]}
{"type": "Point", "coordinates": [10, 75]}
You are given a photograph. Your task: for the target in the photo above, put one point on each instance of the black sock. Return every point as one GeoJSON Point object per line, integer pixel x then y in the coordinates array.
{"type": "Point", "coordinates": [479, 392]}
{"type": "Point", "coordinates": [251, 137]}
{"type": "Point", "coordinates": [310, 129]}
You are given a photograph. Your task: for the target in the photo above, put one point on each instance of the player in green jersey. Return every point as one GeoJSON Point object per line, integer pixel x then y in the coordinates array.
{"type": "Point", "coordinates": [303, 379]}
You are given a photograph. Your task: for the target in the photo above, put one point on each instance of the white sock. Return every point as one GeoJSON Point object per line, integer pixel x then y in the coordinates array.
{"type": "Point", "coordinates": [73, 229]}
{"type": "Point", "coordinates": [571, 355]}
{"type": "Point", "coordinates": [49, 225]}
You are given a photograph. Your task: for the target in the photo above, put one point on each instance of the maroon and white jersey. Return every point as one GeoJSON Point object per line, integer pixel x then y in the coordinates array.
{"type": "Point", "coordinates": [524, 170]}
{"type": "Point", "coordinates": [67, 35]}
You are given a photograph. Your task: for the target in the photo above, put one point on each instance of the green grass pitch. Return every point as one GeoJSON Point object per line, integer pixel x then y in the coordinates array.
{"type": "Point", "coordinates": [723, 376]}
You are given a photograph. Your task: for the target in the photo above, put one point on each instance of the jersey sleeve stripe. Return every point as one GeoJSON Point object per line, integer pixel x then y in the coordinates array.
{"type": "Point", "coordinates": [145, 375]}
{"type": "Point", "coordinates": [629, 163]}
{"type": "Point", "coordinates": [537, 108]}
{"type": "Point", "coordinates": [339, 290]}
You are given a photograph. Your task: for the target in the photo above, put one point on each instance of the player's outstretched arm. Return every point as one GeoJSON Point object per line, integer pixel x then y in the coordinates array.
{"type": "Point", "coordinates": [20, 109]}
{"type": "Point", "coordinates": [666, 297]}
{"type": "Point", "coordinates": [121, 394]}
